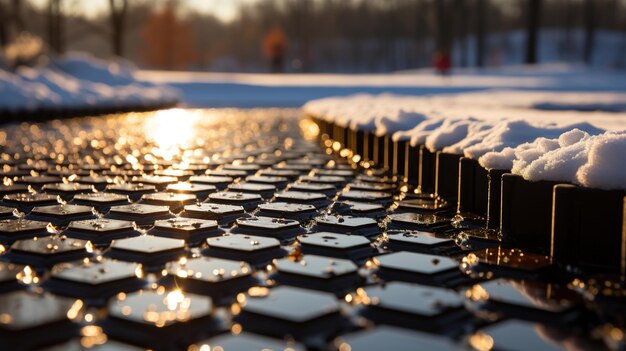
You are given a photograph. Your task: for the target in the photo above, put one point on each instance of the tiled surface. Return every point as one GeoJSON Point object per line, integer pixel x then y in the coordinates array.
{"type": "Point", "coordinates": [197, 230]}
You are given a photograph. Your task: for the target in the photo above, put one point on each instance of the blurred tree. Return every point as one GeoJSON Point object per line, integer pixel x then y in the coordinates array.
{"type": "Point", "coordinates": [55, 26]}
{"type": "Point", "coordinates": [274, 46]}
{"type": "Point", "coordinates": [118, 9]}
{"type": "Point", "coordinates": [480, 32]}
{"type": "Point", "coordinates": [533, 18]}
{"type": "Point", "coordinates": [589, 31]}
{"type": "Point", "coordinates": [169, 42]}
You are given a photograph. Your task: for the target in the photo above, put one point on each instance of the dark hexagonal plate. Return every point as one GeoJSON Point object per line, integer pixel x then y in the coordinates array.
{"type": "Point", "coordinates": [142, 214]}
{"type": "Point", "coordinates": [36, 320]}
{"type": "Point", "coordinates": [317, 272]}
{"type": "Point", "coordinates": [61, 215]}
{"type": "Point", "coordinates": [101, 231]}
{"type": "Point", "coordinates": [102, 202]}
{"type": "Point", "coordinates": [246, 200]}
{"type": "Point", "coordinates": [353, 247]}
{"type": "Point", "coordinates": [224, 214]}
{"type": "Point", "coordinates": [47, 251]}
{"type": "Point", "coordinates": [216, 277]}
{"type": "Point", "coordinates": [192, 230]}
{"type": "Point", "coordinates": [151, 251]}
{"type": "Point", "coordinates": [16, 229]}
{"type": "Point", "coordinates": [133, 191]}
{"type": "Point", "coordinates": [94, 282]}
{"type": "Point", "coordinates": [284, 310]}
{"type": "Point", "coordinates": [414, 306]}
{"type": "Point", "coordinates": [418, 268]}
{"type": "Point", "coordinates": [347, 225]}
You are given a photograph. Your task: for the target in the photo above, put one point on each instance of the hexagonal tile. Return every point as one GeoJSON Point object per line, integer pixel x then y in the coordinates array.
{"type": "Point", "coordinates": [414, 306]}
{"type": "Point", "coordinates": [326, 189]}
{"type": "Point", "coordinates": [151, 251]}
{"type": "Point", "coordinates": [316, 199]}
{"type": "Point", "coordinates": [418, 268]}
{"type": "Point", "coordinates": [535, 301]}
{"type": "Point", "coordinates": [61, 215]}
{"type": "Point", "coordinates": [367, 197]}
{"type": "Point", "coordinates": [401, 339]}
{"type": "Point", "coordinates": [94, 282]}
{"type": "Point", "coordinates": [141, 214]}
{"type": "Point", "coordinates": [200, 191]}
{"type": "Point", "coordinates": [101, 231]}
{"type": "Point", "coordinates": [48, 251]}
{"type": "Point", "coordinates": [223, 214]}
{"type": "Point", "coordinates": [217, 181]}
{"type": "Point", "coordinates": [299, 212]}
{"type": "Point", "coordinates": [288, 310]}
{"type": "Point", "coordinates": [417, 241]}
{"type": "Point", "coordinates": [25, 202]}
{"type": "Point", "coordinates": [384, 187]}
{"type": "Point", "coordinates": [417, 221]}
{"type": "Point", "coordinates": [280, 228]}
{"type": "Point", "coordinates": [133, 191]}
{"type": "Point", "coordinates": [353, 247]}
{"type": "Point", "coordinates": [364, 226]}
{"type": "Point", "coordinates": [67, 190]}
{"type": "Point", "coordinates": [17, 229]}
{"type": "Point", "coordinates": [216, 277]}
{"type": "Point", "coordinates": [247, 201]}
{"type": "Point", "coordinates": [159, 318]}
{"type": "Point", "coordinates": [174, 201]}
{"type": "Point", "coordinates": [278, 182]}
{"type": "Point", "coordinates": [317, 272]}
{"type": "Point", "coordinates": [192, 230]}
{"type": "Point", "coordinates": [256, 250]}
{"type": "Point", "coordinates": [335, 181]}
{"type": "Point", "coordinates": [266, 191]}
{"type": "Point", "coordinates": [359, 209]}
{"type": "Point", "coordinates": [102, 202]}
{"type": "Point", "coordinates": [159, 182]}
{"type": "Point", "coordinates": [30, 321]}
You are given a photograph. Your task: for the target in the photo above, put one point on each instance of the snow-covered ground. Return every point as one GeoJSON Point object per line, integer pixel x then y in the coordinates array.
{"type": "Point", "coordinates": [542, 135]}
{"type": "Point", "coordinates": [79, 81]}
{"type": "Point", "coordinates": [202, 89]}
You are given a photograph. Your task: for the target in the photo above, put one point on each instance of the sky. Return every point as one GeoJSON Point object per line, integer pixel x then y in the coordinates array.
{"type": "Point", "coordinates": [225, 10]}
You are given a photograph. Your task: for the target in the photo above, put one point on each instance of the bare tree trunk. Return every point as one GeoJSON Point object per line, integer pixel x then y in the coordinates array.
{"type": "Point", "coordinates": [461, 16]}
{"type": "Point", "coordinates": [443, 26]}
{"type": "Point", "coordinates": [532, 27]}
{"type": "Point", "coordinates": [480, 33]}
{"type": "Point", "coordinates": [17, 15]}
{"type": "Point", "coordinates": [589, 31]}
{"type": "Point", "coordinates": [3, 27]}
{"type": "Point", "coordinates": [55, 26]}
{"type": "Point", "coordinates": [118, 16]}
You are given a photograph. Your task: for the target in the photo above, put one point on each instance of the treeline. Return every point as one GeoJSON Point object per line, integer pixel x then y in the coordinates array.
{"type": "Point", "coordinates": [321, 35]}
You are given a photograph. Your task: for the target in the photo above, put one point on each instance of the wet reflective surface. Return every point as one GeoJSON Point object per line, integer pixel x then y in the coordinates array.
{"type": "Point", "coordinates": [190, 230]}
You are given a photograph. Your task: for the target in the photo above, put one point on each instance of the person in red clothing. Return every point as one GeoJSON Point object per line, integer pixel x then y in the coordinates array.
{"type": "Point", "coordinates": [441, 61]}
{"type": "Point", "coordinates": [274, 48]}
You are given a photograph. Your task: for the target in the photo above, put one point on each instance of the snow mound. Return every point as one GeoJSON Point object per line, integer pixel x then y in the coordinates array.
{"type": "Point", "coordinates": [605, 163]}
{"type": "Point", "coordinates": [509, 130]}
{"type": "Point", "coordinates": [575, 157]}
{"type": "Point", "coordinates": [79, 81]}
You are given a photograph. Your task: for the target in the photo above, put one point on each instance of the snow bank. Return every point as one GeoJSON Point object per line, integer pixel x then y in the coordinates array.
{"type": "Point", "coordinates": [79, 81]}
{"type": "Point", "coordinates": [502, 129]}
{"type": "Point", "coordinates": [575, 156]}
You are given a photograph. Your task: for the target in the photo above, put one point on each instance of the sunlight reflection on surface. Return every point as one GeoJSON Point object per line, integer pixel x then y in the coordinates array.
{"type": "Point", "coordinates": [172, 130]}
